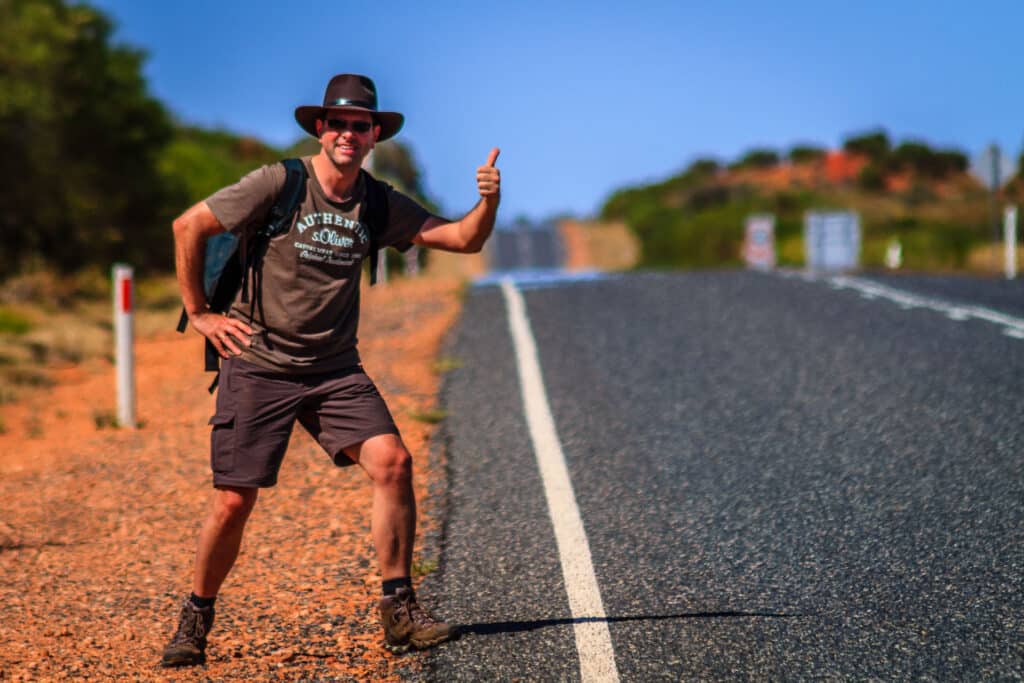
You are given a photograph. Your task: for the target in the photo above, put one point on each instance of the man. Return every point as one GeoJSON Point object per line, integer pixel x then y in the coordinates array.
{"type": "Point", "coordinates": [289, 350]}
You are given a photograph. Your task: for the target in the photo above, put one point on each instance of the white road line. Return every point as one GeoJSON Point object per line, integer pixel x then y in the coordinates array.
{"type": "Point", "coordinates": [593, 640]}
{"type": "Point", "coordinates": [1012, 326]}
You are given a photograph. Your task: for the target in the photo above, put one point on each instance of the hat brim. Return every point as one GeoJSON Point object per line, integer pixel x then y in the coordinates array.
{"type": "Point", "coordinates": [390, 121]}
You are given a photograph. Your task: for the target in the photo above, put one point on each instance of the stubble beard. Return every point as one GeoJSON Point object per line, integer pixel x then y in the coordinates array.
{"type": "Point", "coordinates": [351, 161]}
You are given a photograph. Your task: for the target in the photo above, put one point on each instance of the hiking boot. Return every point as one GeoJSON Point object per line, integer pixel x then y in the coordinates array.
{"type": "Point", "coordinates": [407, 625]}
{"type": "Point", "coordinates": [188, 646]}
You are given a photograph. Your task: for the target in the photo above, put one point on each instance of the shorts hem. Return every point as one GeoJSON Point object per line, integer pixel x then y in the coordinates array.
{"type": "Point", "coordinates": [226, 481]}
{"type": "Point", "coordinates": [346, 461]}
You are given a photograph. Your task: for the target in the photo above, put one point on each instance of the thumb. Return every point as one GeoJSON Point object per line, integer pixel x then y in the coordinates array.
{"type": "Point", "coordinates": [493, 157]}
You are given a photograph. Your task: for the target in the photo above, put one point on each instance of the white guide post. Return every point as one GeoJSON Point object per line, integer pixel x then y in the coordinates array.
{"type": "Point", "coordinates": [1010, 237]}
{"type": "Point", "coordinates": [124, 345]}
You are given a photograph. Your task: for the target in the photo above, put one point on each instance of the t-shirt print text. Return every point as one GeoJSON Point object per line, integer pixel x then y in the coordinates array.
{"type": "Point", "coordinates": [327, 237]}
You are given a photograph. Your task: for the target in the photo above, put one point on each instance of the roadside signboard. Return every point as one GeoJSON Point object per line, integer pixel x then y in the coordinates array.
{"type": "Point", "coordinates": [759, 241]}
{"type": "Point", "coordinates": [832, 240]}
{"type": "Point", "coordinates": [993, 168]}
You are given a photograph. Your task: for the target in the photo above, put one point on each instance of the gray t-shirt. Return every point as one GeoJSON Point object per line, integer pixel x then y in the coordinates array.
{"type": "Point", "coordinates": [308, 297]}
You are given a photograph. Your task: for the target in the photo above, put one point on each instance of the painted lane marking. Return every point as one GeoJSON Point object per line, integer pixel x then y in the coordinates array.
{"type": "Point", "coordinates": [1012, 325]}
{"type": "Point", "coordinates": [593, 640]}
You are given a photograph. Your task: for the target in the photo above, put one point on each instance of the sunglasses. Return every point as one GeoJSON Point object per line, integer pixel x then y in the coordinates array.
{"type": "Point", "coordinates": [344, 124]}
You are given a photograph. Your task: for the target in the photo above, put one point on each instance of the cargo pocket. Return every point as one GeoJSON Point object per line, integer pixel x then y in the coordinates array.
{"type": "Point", "coordinates": [222, 443]}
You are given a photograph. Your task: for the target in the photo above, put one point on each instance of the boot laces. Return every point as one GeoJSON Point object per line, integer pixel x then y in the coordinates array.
{"type": "Point", "coordinates": [417, 614]}
{"type": "Point", "coordinates": [191, 626]}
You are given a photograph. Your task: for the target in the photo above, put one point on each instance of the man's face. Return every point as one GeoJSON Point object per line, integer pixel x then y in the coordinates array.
{"type": "Point", "coordinates": [342, 141]}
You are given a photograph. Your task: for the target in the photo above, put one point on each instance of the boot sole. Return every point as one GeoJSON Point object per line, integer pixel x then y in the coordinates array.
{"type": "Point", "coordinates": [174, 662]}
{"type": "Point", "coordinates": [420, 645]}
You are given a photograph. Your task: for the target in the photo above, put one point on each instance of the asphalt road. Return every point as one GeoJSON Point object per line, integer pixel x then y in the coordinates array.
{"type": "Point", "coordinates": [536, 247]}
{"type": "Point", "coordinates": [779, 480]}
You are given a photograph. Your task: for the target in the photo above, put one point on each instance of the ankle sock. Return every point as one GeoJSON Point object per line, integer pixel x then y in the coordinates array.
{"type": "Point", "coordinates": [391, 586]}
{"type": "Point", "coordinates": [202, 602]}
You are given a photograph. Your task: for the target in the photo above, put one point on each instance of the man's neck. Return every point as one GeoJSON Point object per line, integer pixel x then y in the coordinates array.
{"type": "Point", "coordinates": [338, 183]}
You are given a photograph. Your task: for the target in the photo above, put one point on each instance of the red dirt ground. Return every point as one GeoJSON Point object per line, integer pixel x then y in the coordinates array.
{"type": "Point", "coordinates": [97, 526]}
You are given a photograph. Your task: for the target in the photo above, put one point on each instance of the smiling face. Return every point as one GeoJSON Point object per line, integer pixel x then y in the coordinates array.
{"type": "Point", "coordinates": [343, 145]}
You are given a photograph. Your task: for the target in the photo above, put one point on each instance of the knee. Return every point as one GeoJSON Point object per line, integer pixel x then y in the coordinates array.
{"type": "Point", "coordinates": [233, 505]}
{"type": "Point", "coordinates": [394, 468]}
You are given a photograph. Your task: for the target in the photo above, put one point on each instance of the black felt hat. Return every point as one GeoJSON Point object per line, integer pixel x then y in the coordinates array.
{"type": "Point", "coordinates": [350, 92]}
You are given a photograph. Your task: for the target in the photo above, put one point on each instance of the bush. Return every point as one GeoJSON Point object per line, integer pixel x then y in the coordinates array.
{"type": "Point", "coordinates": [12, 322]}
{"type": "Point", "coordinates": [758, 158]}
{"type": "Point", "coordinates": [874, 145]}
{"type": "Point", "coordinates": [802, 154]}
{"type": "Point", "coordinates": [871, 178]}
{"type": "Point", "coordinates": [703, 167]}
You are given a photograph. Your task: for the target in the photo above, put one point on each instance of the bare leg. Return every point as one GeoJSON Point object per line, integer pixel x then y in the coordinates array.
{"type": "Point", "coordinates": [221, 537]}
{"type": "Point", "coordinates": [388, 463]}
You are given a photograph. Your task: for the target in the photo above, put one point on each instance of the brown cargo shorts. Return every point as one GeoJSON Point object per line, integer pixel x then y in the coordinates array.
{"type": "Point", "coordinates": [257, 407]}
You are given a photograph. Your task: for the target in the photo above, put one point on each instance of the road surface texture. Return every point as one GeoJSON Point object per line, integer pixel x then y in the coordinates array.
{"type": "Point", "coordinates": [779, 479]}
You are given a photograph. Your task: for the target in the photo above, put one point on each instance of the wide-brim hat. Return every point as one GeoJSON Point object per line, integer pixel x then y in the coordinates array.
{"type": "Point", "coordinates": [350, 92]}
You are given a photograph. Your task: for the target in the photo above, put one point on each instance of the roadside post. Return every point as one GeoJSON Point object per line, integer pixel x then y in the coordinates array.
{"type": "Point", "coordinates": [1010, 238]}
{"type": "Point", "coordinates": [893, 254]}
{"type": "Point", "coordinates": [994, 169]}
{"type": "Point", "coordinates": [124, 344]}
{"type": "Point", "coordinates": [759, 241]}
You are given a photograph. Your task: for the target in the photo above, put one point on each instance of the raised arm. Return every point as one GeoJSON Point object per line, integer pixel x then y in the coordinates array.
{"type": "Point", "coordinates": [468, 234]}
{"type": "Point", "coordinates": [191, 230]}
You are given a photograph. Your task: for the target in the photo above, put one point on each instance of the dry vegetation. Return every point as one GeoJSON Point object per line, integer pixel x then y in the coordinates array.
{"type": "Point", "coordinates": [97, 524]}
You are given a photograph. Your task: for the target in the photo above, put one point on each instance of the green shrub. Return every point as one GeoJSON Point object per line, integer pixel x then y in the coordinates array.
{"type": "Point", "coordinates": [12, 322]}
{"type": "Point", "coordinates": [871, 178]}
{"type": "Point", "coordinates": [801, 154]}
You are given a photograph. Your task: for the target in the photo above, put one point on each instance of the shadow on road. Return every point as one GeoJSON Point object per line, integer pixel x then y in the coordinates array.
{"type": "Point", "coordinates": [517, 626]}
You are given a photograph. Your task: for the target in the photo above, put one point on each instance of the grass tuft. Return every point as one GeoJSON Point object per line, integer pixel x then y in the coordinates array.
{"type": "Point", "coordinates": [34, 427]}
{"type": "Point", "coordinates": [105, 419]}
{"type": "Point", "coordinates": [445, 364]}
{"type": "Point", "coordinates": [431, 417]}
{"type": "Point", "coordinates": [423, 567]}
{"type": "Point", "coordinates": [29, 377]}
{"type": "Point", "coordinates": [12, 322]}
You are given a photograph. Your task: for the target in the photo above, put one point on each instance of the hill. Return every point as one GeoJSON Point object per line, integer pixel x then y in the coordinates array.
{"type": "Point", "coordinates": [923, 197]}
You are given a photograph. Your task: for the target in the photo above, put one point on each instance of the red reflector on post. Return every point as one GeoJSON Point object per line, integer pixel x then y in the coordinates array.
{"type": "Point", "coordinates": [126, 295]}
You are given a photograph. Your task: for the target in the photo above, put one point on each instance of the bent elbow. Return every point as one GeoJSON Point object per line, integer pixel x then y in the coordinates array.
{"type": "Point", "coordinates": [179, 226]}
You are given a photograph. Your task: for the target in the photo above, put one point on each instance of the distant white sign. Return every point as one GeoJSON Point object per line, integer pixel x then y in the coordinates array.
{"type": "Point", "coordinates": [759, 241]}
{"type": "Point", "coordinates": [832, 240]}
{"type": "Point", "coordinates": [993, 168]}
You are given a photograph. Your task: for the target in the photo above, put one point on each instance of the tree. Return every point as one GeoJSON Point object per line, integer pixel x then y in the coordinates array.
{"type": "Point", "coordinates": [874, 145]}
{"type": "Point", "coordinates": [871, 178]}
{"type": "Point", "coordinates": [758, 158]}
{"type": "Point", "coordinates": [802, 154]}
{"type": "Point", "coordinates": [704, 166]}
{"type": "Point", "coordinates": [199, 162]}
{"type": "Point", "coordinates": [918, 157]}
{"type": "Point", "coordinates": [395, 162]}
{"type": "Point", "coordinates": [81, 138]}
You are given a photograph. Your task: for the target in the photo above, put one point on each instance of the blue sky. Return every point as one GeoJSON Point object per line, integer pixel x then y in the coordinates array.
{"type": "Point", "coordinates": [586, 97]}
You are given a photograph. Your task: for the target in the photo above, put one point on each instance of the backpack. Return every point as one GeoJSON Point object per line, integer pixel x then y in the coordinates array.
{"type": "Point", "coordinates": [229, 260]}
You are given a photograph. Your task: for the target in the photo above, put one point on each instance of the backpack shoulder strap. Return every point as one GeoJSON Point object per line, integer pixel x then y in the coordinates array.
{"type": "Point", "coordinates": [375, 217]}
{"type": "Point", "coordinates": [278, 220]}
{"type": "Point", "coordinates": [288, 200]}
{"type": "Point", "coordinates": [285, 205]}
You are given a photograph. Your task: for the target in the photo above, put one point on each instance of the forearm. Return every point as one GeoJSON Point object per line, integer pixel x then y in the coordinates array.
{"type": "Point", "coordinates": [189, 253]}
{"type": "Point", "coordinates": [191, 230]}
{"type": "Point", "coordinates": [475, 227]}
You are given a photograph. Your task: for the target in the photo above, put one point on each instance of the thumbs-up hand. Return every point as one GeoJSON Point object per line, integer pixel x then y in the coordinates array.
{"type": "Point", "coordinates": [488, 177]}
